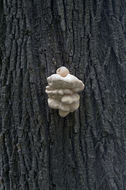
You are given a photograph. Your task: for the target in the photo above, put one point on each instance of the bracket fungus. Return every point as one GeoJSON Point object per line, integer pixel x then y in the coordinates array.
{"type": "Point", "coordinates": [63, 91]}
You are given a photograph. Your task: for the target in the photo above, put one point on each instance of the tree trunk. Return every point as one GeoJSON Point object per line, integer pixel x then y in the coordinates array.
{"type": "Point", "coordinates": [39, 150]}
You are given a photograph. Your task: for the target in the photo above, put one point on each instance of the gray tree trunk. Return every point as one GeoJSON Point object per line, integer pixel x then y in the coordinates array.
{"type": "Point", "coordinates": [39, 150]}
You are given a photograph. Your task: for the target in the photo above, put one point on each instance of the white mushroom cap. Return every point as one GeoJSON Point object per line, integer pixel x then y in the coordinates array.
{"type": "Point", "coordinates": [63, 113]}
{"type": "Point", "coordinates": [66, 99]}
{"type": "Point", "coordinates": [69, 82]}
{"type": "Point", "coordinates": [56, 104]}
{"type": "Point", "coordinates": [58, 91]}
{"type": "Point", "coordinates": [62, 71]}
{"type": "Point", "coordinates": [74, 106]}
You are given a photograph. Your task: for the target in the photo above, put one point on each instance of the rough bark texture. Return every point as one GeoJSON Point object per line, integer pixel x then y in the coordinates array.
{"type": "Point", "coordinates": [38, 149]}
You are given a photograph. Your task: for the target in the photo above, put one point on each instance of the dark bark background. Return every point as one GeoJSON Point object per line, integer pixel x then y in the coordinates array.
{"type": "Point", "coordinates": [39, 150]}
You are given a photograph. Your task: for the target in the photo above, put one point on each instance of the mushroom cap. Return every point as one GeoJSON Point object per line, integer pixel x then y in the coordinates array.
{"type": "Point", "coordinates": [71, 82]}
{"type": "Point", "coordinates": [56, 104]}
{"type": "Point", "coordinates": [62, 71]}
{"type": "Point", "coordinates": [63, 113]}
{"type": "Point", "coordinates": [59, 91]}
{"type": "Point", "coordinates": [69, 99]}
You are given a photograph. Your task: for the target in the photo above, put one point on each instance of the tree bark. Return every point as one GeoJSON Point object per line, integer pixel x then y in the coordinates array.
{"type": "Point", "coordinates": [39, 150]}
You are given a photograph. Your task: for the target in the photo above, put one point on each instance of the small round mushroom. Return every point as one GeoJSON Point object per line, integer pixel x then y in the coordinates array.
{"type": "Point", "coordinates": [62, 71]}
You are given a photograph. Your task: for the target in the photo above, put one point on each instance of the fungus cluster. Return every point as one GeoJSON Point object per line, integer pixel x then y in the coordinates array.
{"type": "Point", "coordinates": [63, 91]}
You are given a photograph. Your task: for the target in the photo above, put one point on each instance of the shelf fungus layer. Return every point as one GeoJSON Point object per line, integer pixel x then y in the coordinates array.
{"type": "Point", "coordinates": [63, 91]}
